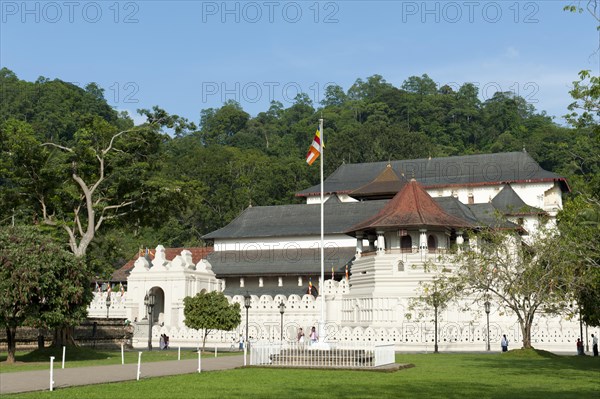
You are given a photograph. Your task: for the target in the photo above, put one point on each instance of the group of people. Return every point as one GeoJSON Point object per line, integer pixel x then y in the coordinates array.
{"type": "Point", "coordinates": [313, 336]}
{"type": "Point", "coordinates": [164, 341]}
{"type": "Point", "coordinates": [579, 345]}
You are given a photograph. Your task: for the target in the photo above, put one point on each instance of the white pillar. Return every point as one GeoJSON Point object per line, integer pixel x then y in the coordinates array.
{"type": "Point", "coordinates": [459, 241]}
{"type": "Point", "coordinates": [380, 242]}
{"type": "Point", "coordinates": [241, 282]}
{"type": "Point", "coordinates": [423, 240]}
{"type": "Point", "coordinates": [260, 282]}
{"type": "Point", "coordinates": [473, 243]}
{"type": "Point", "coordinates": [359, 243]}
{"type": "Point", "coordinates": [280, 281]}
{"type": "Point", "coordinates": [299, 281]}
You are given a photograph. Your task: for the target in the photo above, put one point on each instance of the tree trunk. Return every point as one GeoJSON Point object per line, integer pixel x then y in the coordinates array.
{"type": "Point", "coordinates": [526, 331]}
{"type": "Point", "coordinates": [11, 332]}
{"type": "Point", "coordinates": [63, 336]}
{"type": "Point", "coordinates": [206, 332]}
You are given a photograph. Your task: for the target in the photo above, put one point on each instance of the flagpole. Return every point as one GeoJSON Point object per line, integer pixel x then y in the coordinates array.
{"type": "Point", "coordinates": [322, 284]}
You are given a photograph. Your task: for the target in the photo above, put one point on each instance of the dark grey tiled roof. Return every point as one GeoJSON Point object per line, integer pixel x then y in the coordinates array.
{"type": "Point", "coordinates": [488, 216]}
{"type": "Point", "coordinates": [508, 202]}
{"type": "Point", "coordinates": [281, 262]}
{"type": "Point", "coordinates": [460, 170]}
{"type": "Point", "coordinates": [297, 220]}
{"type": "Point", "coordinates": [456, 208]}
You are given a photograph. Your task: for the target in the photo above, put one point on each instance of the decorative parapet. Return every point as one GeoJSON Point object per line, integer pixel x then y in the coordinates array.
{"type": "Point", "coordinates": [117, 309]}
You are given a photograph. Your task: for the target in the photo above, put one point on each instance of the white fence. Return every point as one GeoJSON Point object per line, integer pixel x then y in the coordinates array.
{"type": "Point", "coordinates": [334, 355]}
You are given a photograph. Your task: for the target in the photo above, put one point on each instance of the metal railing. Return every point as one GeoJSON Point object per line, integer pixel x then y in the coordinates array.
{"type": "Point", "coordinates": [334, 355]}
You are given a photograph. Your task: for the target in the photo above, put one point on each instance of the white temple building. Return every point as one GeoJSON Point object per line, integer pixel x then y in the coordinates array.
{"type": "Point", "coordinates": [383, 222]}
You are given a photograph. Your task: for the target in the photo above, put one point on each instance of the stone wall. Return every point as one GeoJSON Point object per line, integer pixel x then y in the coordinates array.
{"type": "Point", "coordinates": [93, 332]}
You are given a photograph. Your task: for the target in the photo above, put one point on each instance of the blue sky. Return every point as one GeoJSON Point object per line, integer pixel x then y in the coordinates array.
{"type": "Point", "coordinates": [189, 55]}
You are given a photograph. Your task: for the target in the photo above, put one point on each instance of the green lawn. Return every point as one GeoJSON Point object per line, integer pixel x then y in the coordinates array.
{"type": "Point", "coordinates": [517, 374]}
{"type": "Point", "coordinates": [81, 357]}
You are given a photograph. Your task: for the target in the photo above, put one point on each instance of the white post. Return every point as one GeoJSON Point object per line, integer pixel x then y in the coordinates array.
{"type": "Point", "coordinates": [51, 373]}
{"type": "Point", "coordinates": [63, 358]}
{"type": "Point", "coordinates": [215, 351]}
{"type": "Point", "coordinates": [322, 320]}
{"type": "Point", "coordinates": [122, 354]}
{"type": "Point", "coordinates": [245, 354]}
{"type": "Point", "coordinates": [179, 353]}
{"type": "Point", "coordinates": [199, 361]}
{"type": "Point", "coordinates": [139, 372]}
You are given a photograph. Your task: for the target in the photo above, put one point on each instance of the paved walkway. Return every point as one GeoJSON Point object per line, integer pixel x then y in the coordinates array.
{"type": "Point", "coordinates": [39, 380]}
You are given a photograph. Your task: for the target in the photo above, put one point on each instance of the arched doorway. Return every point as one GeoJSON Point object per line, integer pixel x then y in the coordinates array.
{"type": "Point", "coordinates": [159, 304]}
{"type": "Point", "coordinates": [431, 243]}
{"type": "Point", "coordinates": [406, 244]}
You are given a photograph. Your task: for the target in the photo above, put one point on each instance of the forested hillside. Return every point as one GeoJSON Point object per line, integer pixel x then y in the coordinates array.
{"type": "Point", "coordinates": [169, 181]}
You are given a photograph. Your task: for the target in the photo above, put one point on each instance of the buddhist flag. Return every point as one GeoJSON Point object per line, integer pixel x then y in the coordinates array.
{"type": "Point", "coordinates": [315, 149]}
{"type": "Point", "coordinates": [332, 273]}
{"type": "Point", "coordinates": [310, 286]}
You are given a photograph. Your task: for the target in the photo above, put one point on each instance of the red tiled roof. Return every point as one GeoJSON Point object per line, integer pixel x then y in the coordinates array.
{"type": "Point", "coordinates": [411, 207]}
{"type": "Point", "coordinates": [170, 254]}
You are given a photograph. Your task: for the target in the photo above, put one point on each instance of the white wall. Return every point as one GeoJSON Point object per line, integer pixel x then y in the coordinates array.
{"type": "Point", "coordinates": [284, 243]}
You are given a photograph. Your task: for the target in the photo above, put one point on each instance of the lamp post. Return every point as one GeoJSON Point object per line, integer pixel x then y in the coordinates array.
{"type": "Point", "coordinates": [487, 314]}
{"type": "Point", "coordinates": [107, 304]}
{"type": "Point", "coordinates": [436, 303]}
{"type": "Point", "coordinates": [282, 311]}
{"type": "Point", "coordinates": [149, 301]}
{"type": "Point", "coordinates": [581, 327]}
{"type": "Point", "coordinates": [247, 299]}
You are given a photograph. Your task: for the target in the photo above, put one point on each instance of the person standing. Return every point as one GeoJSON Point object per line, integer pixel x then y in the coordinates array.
{"type": "Point", "coordinates": [504, 343]}
{"type": "Point", "coordinates": [580, 347]}
{"type": "Point", "coordinates": [241, 343]}
{"type": "Point", "coordinates": [314, 337]}
{"type": "Point", "coordinates": [595, 344]}
{"type": "Point", "coordinates": [300, 336]}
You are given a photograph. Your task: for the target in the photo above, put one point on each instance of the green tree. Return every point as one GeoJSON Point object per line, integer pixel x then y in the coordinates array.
{"type": "Point", "coordinates": [210, 311]}
{"type": "Point", "coordinates": [435, 295]}
{"type": "Point", "coordinates": [42, 284]}
{"type": "Point", "coordinates": [579, 225]}
{"type": "Point", "coordinates": [218, 126]}
{"type": "Point", "coordinates": [525, 279]}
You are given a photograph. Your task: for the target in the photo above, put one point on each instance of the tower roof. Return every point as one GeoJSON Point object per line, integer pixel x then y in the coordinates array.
{"type": "Point", "coordinates": [411, 207]}
{"type": "Point", "coordinates": [385, 185]}
{"type": "Point", "coordinates": [508, 202]}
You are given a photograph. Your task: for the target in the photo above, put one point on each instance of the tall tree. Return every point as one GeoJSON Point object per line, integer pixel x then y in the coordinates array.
{"type": "Point", "coordinates": [523, 279]}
